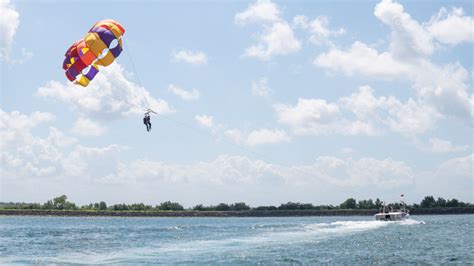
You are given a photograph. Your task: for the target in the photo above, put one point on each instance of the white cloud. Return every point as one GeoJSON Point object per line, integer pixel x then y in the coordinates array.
{"type": "Point", "coordinates": [441, 87]}
{"type": "Point", "coordinates": [451, 179]}
{"type": "Point", "coordinates": [363, 102]}
{"type": "Point", "coordinates": [277, 39]}
{"type": "Point", "coordinates": [347, 150]}
{"type": "Point", "coordinates": [58, 159]}
{"type": "Point", "coordinates": [361, 113]}
{"type": "Point", "coordinates": [307, 112]}
{"type": "Point", "coordinates": [366, 171]}
{"type": "Point", "coordinates": [266, 136]}
{"type": "Point", "coordinates": [257, 137]}
{"type": "Point", "coordinates": [409, 118]}
{"type": "Point", "coordinates": [412, 117]}
{"type": "Point", "coordinates": [261, 88]}
{"type": "Point", "coordinates": [92, 162]}
{"type": "Point", "coordinates": [190, 57]}
{"type": "Point", "coordinates": [318, 117]}
{"type": "Point", "coordinates": [186, 95]}
{"type": "Point", "coordinates": [408, 37]}
{"type": "Point", "coordinates": [15, 127]}
{"type": "Point", "coordinates": [205, 120]}
{"type": "Point", "coordinates": [9, 21]}
{"type": "Point", "coordinates": [437, 145]}
{"type": "Point", "coordinates": [25, 156]}
{"type": "Point", "coordinates": [451, 27]}
{"type": "Point", "coordinates": [261, 11]}
{"type": "Point", "coordinates": [361, 59]}
{"type": "Point", "coordinates": [318, 29]}
{"type": "Point", "coordinates": [87, 127]}
{"type": "Point", "coordinates": [109, 96]}
{"type": "Point", "coordinates": [227, 171]}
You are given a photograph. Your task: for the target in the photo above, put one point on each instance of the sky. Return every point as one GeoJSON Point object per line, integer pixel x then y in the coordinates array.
{"type": "Point", "coordinates": [262, 102]}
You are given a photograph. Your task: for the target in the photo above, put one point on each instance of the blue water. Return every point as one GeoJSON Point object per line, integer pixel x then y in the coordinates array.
{"type": "Point", "coordinates": [289, 240]}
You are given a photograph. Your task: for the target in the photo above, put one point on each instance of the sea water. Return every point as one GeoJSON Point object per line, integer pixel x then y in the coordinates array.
{"type": "Point", "coordinates": [270, 240]}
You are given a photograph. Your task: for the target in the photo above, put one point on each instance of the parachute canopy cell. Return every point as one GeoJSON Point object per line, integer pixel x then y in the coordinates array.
{"type": "Point", "coordinates": [100, 47]}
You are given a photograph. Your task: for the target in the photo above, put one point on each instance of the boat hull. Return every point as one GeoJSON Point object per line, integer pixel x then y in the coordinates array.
{"type": "Point", "coordinates": [391, 216]}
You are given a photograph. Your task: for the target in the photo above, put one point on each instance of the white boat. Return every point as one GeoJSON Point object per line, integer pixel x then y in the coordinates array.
{"type": "Point", "coordinates": [392, 215]}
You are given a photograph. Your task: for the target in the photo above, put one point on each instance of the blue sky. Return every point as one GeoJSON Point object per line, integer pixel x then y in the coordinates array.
{"type": "Point", "coordinates": [263, 102]}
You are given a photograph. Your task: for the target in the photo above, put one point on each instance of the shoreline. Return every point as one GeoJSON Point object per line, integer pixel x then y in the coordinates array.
{"type": "Point", "coordinates": [250, 213]}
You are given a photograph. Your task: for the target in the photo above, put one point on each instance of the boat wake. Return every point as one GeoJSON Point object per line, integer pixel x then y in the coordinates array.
{"type": "Point", "coordinates": [271, 236]}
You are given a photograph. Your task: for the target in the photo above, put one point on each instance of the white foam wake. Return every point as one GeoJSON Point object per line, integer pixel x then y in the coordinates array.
{"type": "Point", "coordinates": [314, 232]}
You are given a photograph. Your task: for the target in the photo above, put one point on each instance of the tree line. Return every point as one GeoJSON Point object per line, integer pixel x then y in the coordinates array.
{"type": "Point", "coordinates": [62, 203]}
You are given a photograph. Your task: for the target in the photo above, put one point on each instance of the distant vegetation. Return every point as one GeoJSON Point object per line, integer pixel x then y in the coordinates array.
{"type": "Point", "coordinates": [62, 203]}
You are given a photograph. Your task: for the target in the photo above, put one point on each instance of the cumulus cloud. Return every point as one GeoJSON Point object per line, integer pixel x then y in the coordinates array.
{"type": "Point", "coordinates": [15, 127]}
{"type": "Point", "coordinates": [187, 95]}
{"type": "Point", "coordinates": [257, 137]}
{"type": "Point", "coordinates": [25, 156]}
{"type": "Point", "coordinates": [277, 39]}
{"type": "Point", "coordinates": [307, 111]}
{"type": "Point", "coordinates": [92, 162]}
{"type": "Point", "coordinates": [361, 59]}
{"type": "Point", "coordinates": [87, 127]}
{"type": "Point", "coordinates": [110, 95]}
{"type": "Point", "coordinates": [437, 145]}
{"type": "Point", "coordinates": [261, 11]}
{"type": "Point", "coordinates": [226, 169]}
{"type": "Point", "coordinates": [451, 27]}
{"type": "Point", "coordinates": [410, 118]}
{"type": "Point", "coordinates": [318, 117]}
{"type": "Point", "coordinates": [190, 57]}
{"type": "Point", "coordinates": [443, 88]}
{"type": "Point", "coordinates": [247, 138]}
{"type": "Point", "coordinates": [361, 113]}
{"type": "Point", "coordinates": [453, 178]}
{"type": "Point", "coordinates": [57, 158]}
{"type": "Point", "coordinates": [205, 120]}
{"type": "Point", "coordinates": [408, 37]}
{"type": "Point", "coordinates": [318, 28]}
{"type": "Point", "coordinates": [9, 22]}
{"type": "Point", "coordinates": [261, 88]}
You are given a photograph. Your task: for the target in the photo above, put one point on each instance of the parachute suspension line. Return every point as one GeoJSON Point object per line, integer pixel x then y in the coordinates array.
{"type": "Point", "coordinates": [129, 55]}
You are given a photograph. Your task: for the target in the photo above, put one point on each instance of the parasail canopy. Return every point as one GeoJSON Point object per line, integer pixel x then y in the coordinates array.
{"type": "Point", "coordinates": [100, 47]}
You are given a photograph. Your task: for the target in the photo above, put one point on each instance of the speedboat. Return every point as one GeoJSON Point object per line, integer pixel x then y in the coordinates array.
{"type": "Point", "coordinates": [392, 215]}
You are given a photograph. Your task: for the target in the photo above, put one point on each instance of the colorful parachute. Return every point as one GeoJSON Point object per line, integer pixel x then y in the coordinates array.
{"type": "Point", "coordinates": [101, 45]}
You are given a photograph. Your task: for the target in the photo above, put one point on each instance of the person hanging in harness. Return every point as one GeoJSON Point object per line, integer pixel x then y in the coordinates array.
{"type": "Point", "coordinates": [147, 119]}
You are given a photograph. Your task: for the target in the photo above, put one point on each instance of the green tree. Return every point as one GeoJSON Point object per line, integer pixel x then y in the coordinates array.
{"type": "Point", "coordinates": [120, 207]}
{"type": "Point", "coordinates": [223, 207]}
{"type": "Point", "coordinates": [198, 207]}
{"type": "Point", "coordinates": [59, 202]}
{"type": "Point", "coordinates": [170, 206]}
{"type": "Point", "coordinates": [265, 208]}
{"type": "Point", "coordinates": [48, 205]}
{"type": "Point", "coordinates": [240, 206]}
{"type": "Point", "coordinates": [102, 205]}
{"type": "Point", "coordinates": [289, 206]}
{"type": "Point", "coordinates": [453, 203]}
{"type": "Point", "coordinates": [428, 202]}
{"type": "Point", "coordinates": [440, 202]}
{"type": "Point", "coordinates": [378, 203]}
{"type": "Point", "coordinates": [366, 204]}
{"type": "Point", "coordinates": [350, 203]}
